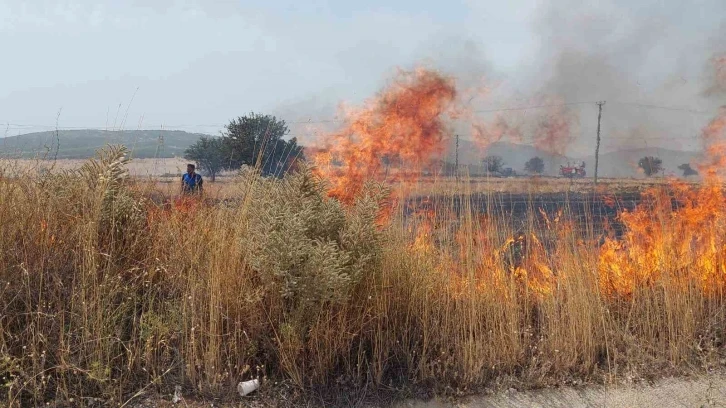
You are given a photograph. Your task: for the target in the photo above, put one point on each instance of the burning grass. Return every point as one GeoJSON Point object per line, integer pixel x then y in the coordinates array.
{"type": "Point", "coordinates": [403, 125]}
{"type": "Point", "coordinates": [104, 293]}
{"type": "Point", "coordinates": [324, 280]}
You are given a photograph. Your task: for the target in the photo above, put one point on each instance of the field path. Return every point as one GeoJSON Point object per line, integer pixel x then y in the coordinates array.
{"type": "Point", "coordinates": [709, 391]}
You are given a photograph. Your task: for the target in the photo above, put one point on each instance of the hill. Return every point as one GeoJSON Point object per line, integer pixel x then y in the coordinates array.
{"type": "Point", "coordinates": [83, 143]}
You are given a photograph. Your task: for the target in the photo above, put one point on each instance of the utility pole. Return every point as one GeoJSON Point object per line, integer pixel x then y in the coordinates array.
{"type": "Point", "coordinates": [597, 145]}
{"type": "Point", "coordinates": [456, 161]}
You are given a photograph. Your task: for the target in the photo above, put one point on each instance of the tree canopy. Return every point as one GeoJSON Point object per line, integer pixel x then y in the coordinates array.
{"type": "Point", "coordinates": [258, 140]}
{"type": "Point", "coordinates": [493, 164]}
{"type": "Point", "coordinates": [651, 165]}
{"type": "Point", "coordinates": [535, 165]}
{"type": "Point", "coordinates": [209, 153]}
{"type": "Point", "coordinates": [254, 140]}
{"type": "Point", "coordinates": [687, 170]}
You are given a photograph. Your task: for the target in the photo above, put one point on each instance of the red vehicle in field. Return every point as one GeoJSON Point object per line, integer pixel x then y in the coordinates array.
{"type": "Point", "coordinates": [573, 171]}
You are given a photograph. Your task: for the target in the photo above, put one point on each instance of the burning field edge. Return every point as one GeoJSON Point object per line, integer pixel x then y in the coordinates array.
{"type": "Point", "coordinates": [357, 275]}
{"type": "Point", "coordinates": [109, 294]}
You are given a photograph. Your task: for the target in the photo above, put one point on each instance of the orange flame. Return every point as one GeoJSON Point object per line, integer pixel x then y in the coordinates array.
{"type": "Point", "coordinates": [401, 132]}
{"type": "Point", "coordinates": [718, 74]}
{"type": "Point", "coordinates": [484, 135]}
{"type": "Point", "coordinates": [554, 131]}
{"type": "Point", "coordinates": [179, 207]}
{"type": "Point", "coordinates": [714, 139]}
{"type": "Point", "coordinates": [686, 244]}
{"type": "Point", "coordinates": [403, 127]}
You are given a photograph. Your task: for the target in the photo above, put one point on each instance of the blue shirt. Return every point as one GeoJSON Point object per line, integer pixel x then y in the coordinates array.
{"type": "Point", "coordinates": [191, 182]}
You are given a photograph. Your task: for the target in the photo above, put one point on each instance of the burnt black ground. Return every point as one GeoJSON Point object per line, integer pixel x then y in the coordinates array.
{"type": "Point", "coordinates": [592, 214]}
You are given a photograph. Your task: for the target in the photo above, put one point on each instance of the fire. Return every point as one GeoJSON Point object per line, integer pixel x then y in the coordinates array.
{"type": "Point", "coordinates": [423, 241]}
{"type": "Point", "coordinates": [526, 259]}
{"type": "Point", "coordinates": [718, 73]}
{"type": "Point", "coordinates": [555, 129]}
{"type": "Point", "coordinates": [685, 244]}
{"type": "Point", "coordinates": [403, 128]}
{"type": "Point", "coordinates": [678, 234]}
{"type": "Point", "coordinates": [423, 218]}
{"type": "Point", "coordinates": [180, 207]}
{"type": "Point", "coordinates": [482, 261]}
{"type": "Point", "coordinates": [714, 139]}
{"type": "Point", "coordinates": [485, 134]}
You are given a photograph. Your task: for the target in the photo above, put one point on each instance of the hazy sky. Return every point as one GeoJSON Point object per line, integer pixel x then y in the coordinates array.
{"type": "Point", "coordinates": [194, 65]}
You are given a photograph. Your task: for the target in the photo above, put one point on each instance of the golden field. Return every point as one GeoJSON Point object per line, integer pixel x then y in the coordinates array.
{"type": "Point", "coordinates": [137, 167]}
{"type": "Point", "coordinates": [108, 293]}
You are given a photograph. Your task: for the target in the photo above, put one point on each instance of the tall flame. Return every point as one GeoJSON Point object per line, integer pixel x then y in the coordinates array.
{"type": "Point", "coordinates": [687, 243]}
{"type": "Point", "coordinates": [403, 129]}
{"type": "Point", "coordinates": [403, 126]}
{"type": "Point", "coordinates": [714, 139]}
{"type": "Point", "coordinates": [486, 134]}
{"type": "Point", "coordinates": [718, 75]}
{"type": "Point", "coordinates": [554, 130]}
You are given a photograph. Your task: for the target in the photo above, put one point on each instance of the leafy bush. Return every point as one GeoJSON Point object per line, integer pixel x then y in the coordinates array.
{"type": "Point", "coordinates": [309, 250]}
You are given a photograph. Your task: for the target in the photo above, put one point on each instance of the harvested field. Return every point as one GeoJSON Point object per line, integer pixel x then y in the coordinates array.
{"type": "Point", "coordinates": [285, 283]}
{"type": "Point", "coordinates": [535, 184]}
{"type": "Point", "coordinates": [204, 294]}
{"type": "Point", "coordinates": [438, 242]}
{"type": "Point", "coordinates": [336, 280]}
{"type": "Point", "coordinates": [137, 167]}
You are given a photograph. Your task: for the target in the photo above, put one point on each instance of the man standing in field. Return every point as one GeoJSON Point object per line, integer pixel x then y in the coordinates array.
{"type": "Point", "coordinates": [191, 181]}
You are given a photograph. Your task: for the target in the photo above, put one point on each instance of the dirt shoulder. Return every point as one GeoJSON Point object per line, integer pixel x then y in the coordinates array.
{"type": "Point", "coordinates": [702, 391]}
{"type": "Point", "coordinates": [706, 391]}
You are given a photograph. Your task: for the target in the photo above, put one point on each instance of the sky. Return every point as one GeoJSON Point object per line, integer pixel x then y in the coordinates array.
{"type": "Point", "coordinates": [195, 65]}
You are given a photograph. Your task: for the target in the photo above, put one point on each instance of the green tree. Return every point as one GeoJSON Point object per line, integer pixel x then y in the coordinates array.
{"type": "Point", "coordinates": [687, 170]}
{"type": "Point", "coordinates": [535, 165]}
{"type": "Point", "coordinates": [650, 165]}
{"type": "Point", "coordinates": [209, 153]}
{"type": "Point", "coordinates": [493, 164]}
{"type": "Point", "coordinates": [258, 140]}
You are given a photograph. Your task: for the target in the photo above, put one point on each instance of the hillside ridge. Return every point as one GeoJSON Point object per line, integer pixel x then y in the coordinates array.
{"type": "Point", "coordinates": [83, 143]}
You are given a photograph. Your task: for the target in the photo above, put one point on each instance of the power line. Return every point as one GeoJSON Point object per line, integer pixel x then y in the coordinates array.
{"type": "Point", "coordinates": [597, 148]}
{"type": "Point", "coordinates": [670, 108]}
{"type": "Point", "coordinates": [297, 122]}
{"type": "Point", "coordinates": [311, 121]}
{"type": "Point", "coordinates": [28, 125]}
{"type": "Point", "coordinates": [533, 107]}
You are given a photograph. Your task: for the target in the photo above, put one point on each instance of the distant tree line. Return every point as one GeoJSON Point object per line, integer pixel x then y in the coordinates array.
{"type": "Point", "coordinates": [687, 170]}
{"type": "Point", "coordinates": [254, 140]}
{"type": "Point", "coordinates": [653, 165]}
{"type": "Point", "coordinates": [495, 165]}
{"type": "Point", "coordinates": [535, 165]}
{"type": "Point", "coordinates": [650, 165]}
{"type": "Point", "coordinates": [258, 140]}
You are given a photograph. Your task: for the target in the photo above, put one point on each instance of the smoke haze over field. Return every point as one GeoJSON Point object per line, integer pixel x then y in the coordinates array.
{"type": "Point", "coordinates": [198, 65]}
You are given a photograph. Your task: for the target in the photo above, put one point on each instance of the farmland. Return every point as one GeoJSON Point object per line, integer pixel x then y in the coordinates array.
{"type": "Point", "coordinates": [362, 204]}
{"type": "Point", "coordinates": [105, 293]}
{"type": "Point", "coordinates": [352, 275]}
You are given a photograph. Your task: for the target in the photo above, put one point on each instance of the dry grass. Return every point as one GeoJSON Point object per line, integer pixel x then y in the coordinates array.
{"type": "Point", "coordinates": [104, 293]}
{"type": "Point", "coordinates": [142, 168]}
